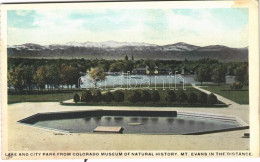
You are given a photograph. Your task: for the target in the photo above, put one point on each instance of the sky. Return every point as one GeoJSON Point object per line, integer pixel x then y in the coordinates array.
{"type": "Point", "coordinates": [222, 26]}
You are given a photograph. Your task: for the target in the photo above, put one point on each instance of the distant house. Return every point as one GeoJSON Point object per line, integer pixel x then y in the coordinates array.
{"type": "Point", "coordinates": [230, 79]}
{"type": "Point", "coordinates": [156, 71]}
{"type": "Point", "coordinates": [139, 71]}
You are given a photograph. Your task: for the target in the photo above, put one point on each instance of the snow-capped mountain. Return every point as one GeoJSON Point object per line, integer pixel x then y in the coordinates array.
{"type": "Point", "coordinates": [117, 50]}
{"type": "Point", "coordinates": [181, 46]}
{"type": "Point", "coordinates": [107, 44]}
{"type": "Point", "coordinates": [28, 46]}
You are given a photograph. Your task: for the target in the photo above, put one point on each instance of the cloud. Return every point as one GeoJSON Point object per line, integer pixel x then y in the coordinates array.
{"type": "Point", "coordinates": [158, 26]}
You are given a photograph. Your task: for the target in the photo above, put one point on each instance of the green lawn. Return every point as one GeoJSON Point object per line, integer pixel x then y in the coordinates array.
{"type": "Point", "coordinates": [55, 96]}
{"type": "Point", "coordinates": [42, 97]}
{"type": "Point", "coordinates": [239, 96]}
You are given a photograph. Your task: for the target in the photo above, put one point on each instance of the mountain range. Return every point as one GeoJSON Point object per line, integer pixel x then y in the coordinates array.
{"type": "Point", "coordinates": [117, 50]}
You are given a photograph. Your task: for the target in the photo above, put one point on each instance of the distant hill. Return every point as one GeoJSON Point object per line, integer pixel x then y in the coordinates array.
{"type": "Point", "coordinates": [117, 50]}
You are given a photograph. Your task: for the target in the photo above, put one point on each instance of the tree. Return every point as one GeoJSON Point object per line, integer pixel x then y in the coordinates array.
{"type": "Point", "coordinates": [212, 99]}
{"type": "Point", "coordinates": [128, 66]}
{"type": "Point", "coordinates": [171, 97]}
{"type": "Point", "coordinates": [126, 57]}
{"type": "Point", "coordinates": [202, 98]}
{"type": "Point", "coordinates": [192, 98]}
{"type": "Point", "coordinates": [69, 75]}
{"type": "Point", "coordinates": [182, 97]}
{"type": "Point", "coordinates": [155, 97]}
{"type": "Point", "coordinates": [119, 96]}
{"type": "Point", "coordinates": [108, 97]}
{"type": "Point", "coordinates": [104, 64]}
{"type": "Point", "coordinates": [86, 96]}
{"type": "Point", "coordinates": [241, 73]}
{"type": "Point", "coordinates": [52, 76]}
{"type": "Point", "coordinates": [219, 75]}
{"type": "Point", "coordinates": [16, 79]}
{"type": "Point", "coordinates": [132, 58]}
{"type": "Point", "coordinates": [40, 77]}
{"type": "Point", "coordinates": [117, 67]}
{"type": "Point", "coordinates": [76, 98]}
{"type": "Point", "coordinates": [146, 96]}
{"type": "Point", "coordinates": [96, 96]}
{"type": "Point", "coordinates": [21, 77]}
{"type": "Point", "coordinates": [203, 74]}
{"type": "Point", "coordinates": [231, 69]}
{"type": "Point", "coordinates": [135, 97]}
{"type": "Point", "coordinates": [28, 72]}
{"type": "Point", "coordinates": [97, 74]}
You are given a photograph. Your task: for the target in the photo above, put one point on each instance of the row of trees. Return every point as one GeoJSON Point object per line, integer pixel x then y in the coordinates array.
{"type": "Point", "coordinates": [145, 96]}
{"type": "Point", "coordinates": [218, 73]}
{"type": "Point", "coordinates": [30, 77]}
{"type": "Point", "coordinates": [37, 73]}
{"type": "Point", "coordinates": [171, 97]}
{"type": "Point", "coordinates": [97, 96]}
{"type": "Point", "coordinates": [126, 64]}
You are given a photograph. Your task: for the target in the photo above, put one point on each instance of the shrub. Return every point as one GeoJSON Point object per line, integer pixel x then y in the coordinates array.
{"type": "Point", "coordinates": [236, 86]}
{"type": "Point", "coordinates": [202, 98]}
{"type": "Point", "coordinates": [182, 97]}
{"type": "Point", "coordinates": [135, 97]}
{"type": "Point", "coordinates": [119, 96]}
{"type": "Point", "coordinates": [212, 99]}
{"type": "Point", "coordinates": [146, 96]}
{"type": "Point", "coordinates": [171, 97]}
{"type": "Point", "coordinates": [86, 96]}
{"type": "Point", "coordinates": [108, 97]}
{"type": "Point", "coordinates": [192, 98]}
{"type": "Point", "coordinates": [97, 96]}
{"type": "Point", "coordinates": [155, 97]}
{"type": "Point", "coordinates": [76, 98]}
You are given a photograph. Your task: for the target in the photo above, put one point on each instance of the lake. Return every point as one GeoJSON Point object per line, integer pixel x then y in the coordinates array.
{"type": "Point", "coordinates": [132, 81]}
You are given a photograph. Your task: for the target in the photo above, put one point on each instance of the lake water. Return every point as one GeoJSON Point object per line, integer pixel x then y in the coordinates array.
{"type": "Point", "coordinates": [118, 81]}
{"type": "Point", "coordinates": [146, 125]}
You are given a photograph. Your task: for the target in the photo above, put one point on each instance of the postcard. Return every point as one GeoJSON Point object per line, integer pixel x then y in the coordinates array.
{"type": "Point", "coordinates": [92, 80]}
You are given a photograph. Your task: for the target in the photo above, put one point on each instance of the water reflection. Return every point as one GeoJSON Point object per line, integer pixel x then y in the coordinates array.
{"type": "Point", "coordinates": [118, 118]}
{"type": "Point", "coordinates": [191, 122]}
{"type": "Point", "coordinates": [138, 124]}
{"type": "Point", "coordinates": [180, 121]}
{"type": "Point", "coordinates": [134, 119]}
{"type": "Point", "coordinates": [170, 120]}
{"type": "Point", "coordinates": [202, 122]}
{"type": "Point", "coordinates": [87, 119]}
{"type": "Point", "coordinates": [154, 119]}
{"type": "Point", "coordinates": [144, 119]}
{"type": "Point", "coordinates": [97, 118]}
{"type": "Point", "coordinates": [108, 118]}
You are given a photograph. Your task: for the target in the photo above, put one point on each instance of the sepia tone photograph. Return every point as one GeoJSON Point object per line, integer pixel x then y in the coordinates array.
{"type": "Point", "coordinates": [129, 79]}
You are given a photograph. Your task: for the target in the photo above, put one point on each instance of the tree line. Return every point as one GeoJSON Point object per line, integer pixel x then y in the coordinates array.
{"type": "Point", "coordinates": [28, 77]}
{"type": "Point", "coordinates": [217, 74]}
{"type": "Point", "coordinates": [28, 74]}
{"type": "Point", "coordinates": [145, 96]}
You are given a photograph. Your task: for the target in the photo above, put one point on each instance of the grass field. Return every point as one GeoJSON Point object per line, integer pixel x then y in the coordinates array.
{"type": "Point", "coordinates": [41, 97]}
{"type": "Point", "coordinates": [49, 96]}
{"type": "Point", "coordinates": [239, 96]}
